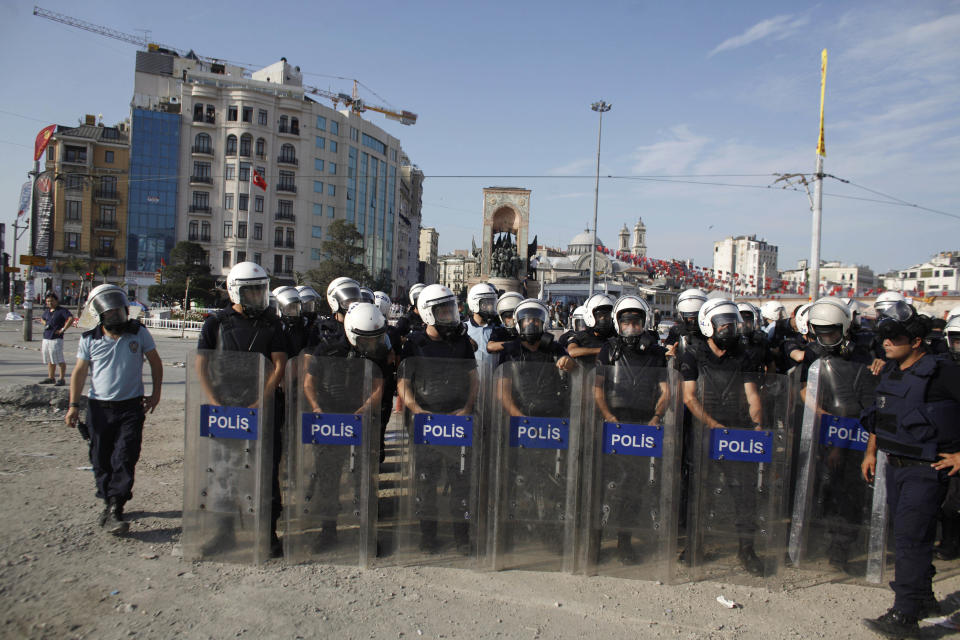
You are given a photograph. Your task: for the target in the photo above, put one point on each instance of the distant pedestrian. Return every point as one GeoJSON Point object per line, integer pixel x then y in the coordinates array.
{"type": "Point", "coordinates": [56, 319]}
{"type": "Point", "coordinates": [113, 352]}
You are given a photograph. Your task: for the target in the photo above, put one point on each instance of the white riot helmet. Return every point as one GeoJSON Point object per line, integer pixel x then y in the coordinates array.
{"type": "Point", "coordinates": [438, 308]}
{"type": "Point", "coordinates": [953, 313]}
{"type": "Point", "coordinates": [750, 315]}
{"type": "Point", "coordinates": [632, 318]}
{"type": "Point", "coordinates": [415, 293]}
{"type": "Point", "coordinates": [952, 334]}
{"type": "Point", "coordinates": [886, 300]}
{"type": "Point", "coordinates": [598, 313]}
{"type": "Point", "coordinates": [482, 300]}
{"type": "Point", "coordinates": [773, 311]}
{"type": "Point", "coordinates": [247, 285]}
{"type": "Point", "coordinates": [689, 303]}
{"type": "Point", "coordinates": [366, 329]}
{"type": "Point", "coordinates": [829, 320]}
{"type": "Point", "coordinates": [383, 302]}
{"type": "Point", "coordinates": [309, 299]}
{"type": "Point", "coordinates": [288, 302]}
{"type": "Point", "coordinates": [800, 318]}
{"type": "Point", "coordinates": [506, 305]}
{"type": "Point", "coordinates": [531, 319]}
{"type": "Point", "coordinates": [108, 306]}
{"type": "Point", "coordinates": [578, 320]}
{"type": "Point", "coordinates": [366, 295]}
{"type": "Point", "coordinates": [341, 292]}
{"type": "Point", "coordinates": [720, 319]}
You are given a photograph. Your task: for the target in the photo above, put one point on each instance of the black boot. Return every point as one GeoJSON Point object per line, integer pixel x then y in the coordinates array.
{"type": "Point", "coordinates": [838, 555]}
{"type": "Point", "coordinates": [748, 558]}
{"type": "Point", "coordinates": [894, 624]}
{"type": "Point", "coordinates": [625, 551]}
{"type": "Point", "coordinates": [428, 536]}
{"type": "Point", "coordinates": [327, 538]}
{"type": "Point", "coordinates": [461, 536]}
{"type": "Point", "coordinates": [930, 608]}
{"type": "Point", "coordinates": [224, 538]}
{"type": "Point", "coordinates": [102, 518]}
{"type": "Point", "coordinates": [114, 522]}
{"type": "Point", "coordinates": [949, 547]}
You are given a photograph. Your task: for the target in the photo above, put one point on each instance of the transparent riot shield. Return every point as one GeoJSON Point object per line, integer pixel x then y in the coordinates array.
{"type": "Point", "coordinates": [535, 411]}
{"type": "Point", "coordinates": [333, 437]}
{"type": "Point", "coordinates": [631, 472]}
{"type": "Point", "coordinates": [228, 449]}
{"type": "Point", "coordinates": [833, 511]}
{"type": "Point", "coordinates": [437, 486]}
{"type": "Point", "coordinates": [741, 449]}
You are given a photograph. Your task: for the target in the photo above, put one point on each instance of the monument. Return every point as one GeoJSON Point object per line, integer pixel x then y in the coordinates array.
{"type": "Point", "coordinates": [504, 252]}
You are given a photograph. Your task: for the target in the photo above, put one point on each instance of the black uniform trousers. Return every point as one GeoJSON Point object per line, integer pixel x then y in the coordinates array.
{"type": "Point", "coordinates": [914, 495]}
{"type": "Point", "coordinates": [116, 433]}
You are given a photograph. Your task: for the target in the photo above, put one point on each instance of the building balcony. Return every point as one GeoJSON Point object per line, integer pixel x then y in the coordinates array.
{"type": "Point", "coordinates": [77, 160]}
{"type": "Point", "coordinates": [204, 119]}
{"type": "Point", "coordinates": [288, 160]}
{"type": "Point", "coordinates": [245, 153]}
{"type": "Point", "coordinates": [202, 150]}
{"type": "Point", "coordinates": [261, 156]}
{"type": "Point", "coordinates": [287, 187]}
{"type": "Point", "coordinates": [208, 180]}
{"type": "Point", "coordinates": [199, 237]}
{"type": "Point", "coordinates": [230, 153]}
{"type": "Point", "coordinates": [282, 215]}
{"type": "Point", "coordinates": [290, 131]}
{"type": "Point", "coordinates": [278, 244]}
{"type": "Point", "coordinates": [201, 208]}
{"type": "Point", "coordinates": [289, 244]}
{"type": "Point", "coordinates": [106, 225]}
{"type": "Point", "coordinates": [105, 252]}
{"type": "Point", "coordinates": [107, 195]}
{"type": "Point", "coordinates": [283, 273]}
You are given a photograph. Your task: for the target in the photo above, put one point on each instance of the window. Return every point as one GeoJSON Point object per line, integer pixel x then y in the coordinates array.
{"type": "Point", "coordinates": [193, 233]}
{"type": "Point", "coordinates": [258, 258]}
{"type": "Point", "coordinates": [278, 237]}
{"type": "Point", "coordinates": [317, 209]}
{"type": "Point", "coordinates": [295, 126]}
{"type": "Point", "coordinates": [316, 232]}
{"type": "Point", "coordinates": [241, 256]}
{"type": "Point", "coordinates": [331, 168]}
{"type": "Point", "coordinates": [318, 164]}
{"type": "Point", "coordinates": [201, 199]}
{"type": "Point", "coordinates": [108, 186]}
{"type": "Point", "coordinates": [288, 264]}
{"type": "Point", "coordinates": [331, 189]}
{"type": "Point", "coordinates": [262, 117]}
{"type": "Point", "coordinates": [198, 112]}
{"type": "Point", "coordinates": [321, 143]}
{"type": "Point", "coordinates": [284, 124]}
{"type": "Point", "coordinates": [75, 154]}
{"type": "Point", "coordinates": [230, 172]}
{"type": "Point", "coordinates": [241, 233]}
{"type": "Point", "coordinates": [261, 147]}
{"type": "Point", "coordinates": [290, 237]}
{"type": "Point", "coordinates": [202, 143]}
{"type": "Point", "coordinates": [257, 231]}
{"type": "Point", "coordinates": [372, 143]}
{"type": "Point", "coordinates": [227, 229]}
{"type": "Point", "coordinates": [286, 181]}
{"type": "Point", "coordinates": [393, 155]}
{"type": "Point", "coordinates": [316, 254]}
{"type": "Point", "coordinates": [334, 128]}
{"type": "Point", "coordinates": [925, 273]}
{"type": "Point", "coordinates": [333, 146]}
{"type": "Point", "coordinates": [232, 113]}
{"type": "Point", "coordinates": [74, 209]}
{"type": "Point", "coordinates": [202, 170]}
{"type": "Point", "coordinates": [936, 274]}
{"type": "Point", "coordinates": [330, 212]}
{"type": "Point", "coordinates": [321, 123]}
{"type": "Point", "coordinates": [244, 172]}
{"type": "Point", "coordinates": [74, 182]}
{"type": "Point", "coordinates": [288, 153]}
{"type": "Point", "coordinates": [231, 145]}
{"type": "Point", "coordinates": [948, 273]}
{"type": "Point", "coordinates": [317, 186]}
{"type": "Point", "coordinates": [108, 216]}
{"type": "Point", "coordinates": [278, 264]}
{"type": "Point", "coordinates": [258, 204]}
{"type": "Point", "coordinates": [205, 231]}
{"type": "Point", "coordinates": [71, 241]}
{"type": "Point", "coordinates": [354, 134]}
{"type": "Point", "coordinates": [226, 259]}
{"type": "Point", "coordinates": [913, 274]}
{"type": "Point", "coordinates": [108, 157]}
{"type": "Point", "coordinates": [211, 114]}
{"type": "Point", "coordinates": [243, 204]}
{"type": "Point", "coordinates": [228, 201]}
{"type": "Point", "coordinates": [246, 140]}
{"type": "Point", "coordinates": [285, 208]}
{"type": "Point", "coordinates": [248, 115]}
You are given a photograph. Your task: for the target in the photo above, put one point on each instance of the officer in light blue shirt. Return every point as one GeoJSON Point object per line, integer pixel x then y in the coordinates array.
{"type": "Point", "coordinates": [113, 353]}
{"type": "Point", "coordinates": [482, 303]}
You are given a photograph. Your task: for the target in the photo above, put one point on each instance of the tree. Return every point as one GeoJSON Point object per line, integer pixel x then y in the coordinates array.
{"type": "Point", "coordinates": [342, 253]}
{"type": "Point", "coordinates": [187, 260]}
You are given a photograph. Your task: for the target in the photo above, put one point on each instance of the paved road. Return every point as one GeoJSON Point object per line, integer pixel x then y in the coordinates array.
{"type": "Point", "coordinates": [21, 361]}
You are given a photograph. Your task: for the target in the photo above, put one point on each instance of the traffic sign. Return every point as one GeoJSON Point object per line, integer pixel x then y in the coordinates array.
{"type": "Point", "coordinates": [11, 269]}
{"type": "Point", "coordinates": [36, 261]}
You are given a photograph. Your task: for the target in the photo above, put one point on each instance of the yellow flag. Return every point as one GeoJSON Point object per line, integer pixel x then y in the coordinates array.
{"type": "Point", "coordinates": [821, 146]}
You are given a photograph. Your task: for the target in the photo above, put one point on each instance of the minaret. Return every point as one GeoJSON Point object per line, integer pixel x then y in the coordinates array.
{"type": "Point", "coordinates": [639, 238]}
{"type": "Point", "coordinates": [624, 239]}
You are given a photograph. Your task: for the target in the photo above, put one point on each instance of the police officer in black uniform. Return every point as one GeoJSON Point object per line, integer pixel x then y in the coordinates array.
{"type": "Point", "coordinates": [577, 325]}
{"type": "Point", "coordinates": [447, 388]}
{"type": "Point", "coordinates": [915, 419]}
{"type": "Point", "coordinates": [294, 325]}
{"type": "Point", "coordinates": [731, 381]}
{"type": "Point", "coordinates": [687, 330]}
{"type": "Point", "coordinates": [598, 316]}
{"type": "Point", "coordinates": [506, 331]}
{"type": "Point", "coordinates": [245, 326]}
{"type": "Point", "coordinates": [630, 387]}
{"type": "Point", "coordinates": [411, 321]}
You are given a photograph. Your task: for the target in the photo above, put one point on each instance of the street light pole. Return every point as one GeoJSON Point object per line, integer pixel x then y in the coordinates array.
{"type": "Point", "coordinates": [600, 107]}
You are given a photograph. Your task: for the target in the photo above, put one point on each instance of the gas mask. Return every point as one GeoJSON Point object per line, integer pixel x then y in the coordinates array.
{"type": "Point", "coordinates": [726, 331]}
{"type": "Point", "coordinates": [604, 321]}
{"type": "Point", "coordinates": [488, 309]}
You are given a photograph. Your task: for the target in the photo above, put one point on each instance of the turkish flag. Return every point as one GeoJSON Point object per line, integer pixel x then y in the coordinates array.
{"type": "Point", "coordinates": [259, 181]}
{"type": "Point", "coordinates": [43, 139]}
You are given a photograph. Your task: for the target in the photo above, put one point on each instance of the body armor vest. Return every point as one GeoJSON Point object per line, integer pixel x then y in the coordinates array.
{"type": "Point", "coordinates": [539, 388]}
{"type": "Point", "coordinates": [721, 388]}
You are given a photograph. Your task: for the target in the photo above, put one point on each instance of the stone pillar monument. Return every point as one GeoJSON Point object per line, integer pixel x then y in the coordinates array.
{"type": "Point", "coordinates": [504, 258]}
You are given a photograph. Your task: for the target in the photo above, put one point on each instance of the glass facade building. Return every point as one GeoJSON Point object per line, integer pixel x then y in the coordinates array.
{"type": "Point", "coordinates": [154, 171]}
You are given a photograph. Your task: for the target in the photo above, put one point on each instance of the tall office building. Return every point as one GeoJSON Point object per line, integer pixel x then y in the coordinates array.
{"type": "Point", "coordinates": [319, 165]}
{"type": "Point", "coordinates": [746, 262]}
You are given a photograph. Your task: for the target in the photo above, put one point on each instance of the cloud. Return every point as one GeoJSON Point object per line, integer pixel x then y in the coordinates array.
{"type": "Point", "coordinates": [671, 156]}
{"type": "Point", "coordinates": [776, 28]}
{"type": "Point", "coordinates": [574, 167]}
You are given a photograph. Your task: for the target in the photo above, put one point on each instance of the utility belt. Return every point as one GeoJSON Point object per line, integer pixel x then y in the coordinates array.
{"type": "Point", "coordinates": [118, 404]}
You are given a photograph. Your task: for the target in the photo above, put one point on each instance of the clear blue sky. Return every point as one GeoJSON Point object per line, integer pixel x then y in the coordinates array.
{"type": "Point", "coordinates": [505, 89]}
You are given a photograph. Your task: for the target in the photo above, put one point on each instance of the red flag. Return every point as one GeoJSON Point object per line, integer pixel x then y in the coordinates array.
{"type": "Point", "coordinates": [43, 139]}
{"type": "Point", "coordinates": [258, 180]}
{"type": "Point", "coordinates": [163, 262]}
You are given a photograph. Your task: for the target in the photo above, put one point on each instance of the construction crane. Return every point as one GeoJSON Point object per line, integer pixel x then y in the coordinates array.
{"type": "Point", "coordinates": [354, 102]}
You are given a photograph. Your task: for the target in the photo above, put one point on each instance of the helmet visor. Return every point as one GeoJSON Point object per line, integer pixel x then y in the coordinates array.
{"type": "Point", "coordinates": [445, 313]}
{"type": "Point", "coordinates": [953, 341]}
{"type": "Point", "coordinates": [308, 306]}
{"type": "Point", "coordinates": [631, 323]}
{"type": "Point", "coordinates": [579, 324]}
{"type": "Point", "coordinates": [898, 310]}
{"type": "Point", "coordinates": [291, 309]}
{"type": "Point", "coordinates": [828, 335]}
{"type": "Point", "coordinates": [345, 295]}
{"type": "Point", "coordinates": [113, 299]}
{"type": "Point", "coordinates": [725, 324]}
{"type": "Point", "coordinates": [602, 312]}
{"type": "Point", "coordinates": [372, 345]}
{"type": "Point", "coordinates": [487, 306]}
{"type": "Point", "coordinates": [531, 319]}
{"type": "Point", "coordinates": [254, 296]}
{"type": "Point", "coordinates": [749, 322]}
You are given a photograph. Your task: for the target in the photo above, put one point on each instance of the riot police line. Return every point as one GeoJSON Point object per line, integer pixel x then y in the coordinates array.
{"type": "Point", "coordinates": [707, 464]}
